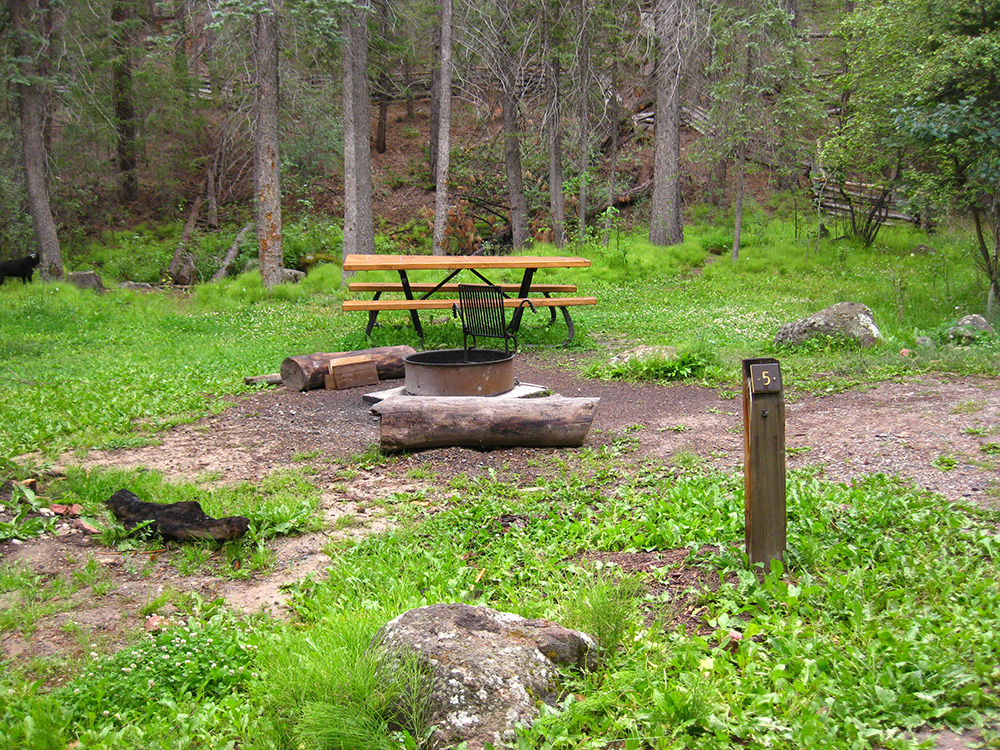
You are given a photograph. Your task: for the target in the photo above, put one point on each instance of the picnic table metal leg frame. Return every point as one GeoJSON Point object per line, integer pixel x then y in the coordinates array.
{"type": "Point", "coordinates": [515, 320]}
{"type": "Point", "coordinates": [569, 325]}
{"type": "Point", "coordinates": [372, 316]}
{"type": "Point", "coordinates": [414, 316]}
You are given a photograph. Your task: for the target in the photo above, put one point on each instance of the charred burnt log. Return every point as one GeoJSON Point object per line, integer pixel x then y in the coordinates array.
{"type": "Point", "coordinates": [182, 522]}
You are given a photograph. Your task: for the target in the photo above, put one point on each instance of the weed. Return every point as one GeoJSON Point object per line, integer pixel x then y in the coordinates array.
{"type": "Point", "coordinates": [798, 450]}
{"type": "Point", "coordinates": [945, 462]}
{"type": "Point", "coordinates": [25, 524]}
{"type": "Point", "coordinates": [968, 407]}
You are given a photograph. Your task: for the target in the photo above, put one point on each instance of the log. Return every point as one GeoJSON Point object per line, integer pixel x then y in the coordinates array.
{"type": "Point", "coordinates": [419, 422]}
{"type": "Point", "coordinates": [232, 252]}
{"type": "Point", "coordinates": [272, 378]}
{"type": "Point", "coordinates": [304, 373]}
{"type": "Point", "coordinates": [184, 521]}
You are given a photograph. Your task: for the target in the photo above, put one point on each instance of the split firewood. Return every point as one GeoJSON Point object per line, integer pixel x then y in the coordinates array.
{"type": "Point", "coordinates": [182, 521]}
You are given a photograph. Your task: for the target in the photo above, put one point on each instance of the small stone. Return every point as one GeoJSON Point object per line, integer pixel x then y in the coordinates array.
{"type": "Point", "coordinates": [85, 527]}
{"type": "Point", "coordinates": [156, 623]}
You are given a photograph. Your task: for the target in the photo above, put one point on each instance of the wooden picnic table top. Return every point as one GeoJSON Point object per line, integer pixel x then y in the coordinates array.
{"type": "Point", "coordinates": [357, 262]}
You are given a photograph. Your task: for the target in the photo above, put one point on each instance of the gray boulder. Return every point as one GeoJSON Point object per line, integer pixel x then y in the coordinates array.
{"type": "Point", "coordinates": [488, 669]}
{"type": "Point", "coordinates": [969, 327]}
{"type": "Point", "coordinates": [851, 320]}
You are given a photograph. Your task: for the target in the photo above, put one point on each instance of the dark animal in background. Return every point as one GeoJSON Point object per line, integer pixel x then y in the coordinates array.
{"type": "Point", "coordinates": [174, 521]}
{"type": "Point", "coordinates": [21, 268]}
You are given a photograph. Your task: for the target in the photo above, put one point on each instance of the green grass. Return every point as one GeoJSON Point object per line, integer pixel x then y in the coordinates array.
{"type": "Point", "coordinates": [885, 618]}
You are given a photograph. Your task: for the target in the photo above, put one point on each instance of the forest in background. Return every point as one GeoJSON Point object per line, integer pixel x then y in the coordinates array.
{"type": "Point", "coordinates": [222, 113]}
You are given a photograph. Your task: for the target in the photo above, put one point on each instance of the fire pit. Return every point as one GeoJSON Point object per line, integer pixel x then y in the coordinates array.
{"type": "Point", "coordinates": [459, 372]}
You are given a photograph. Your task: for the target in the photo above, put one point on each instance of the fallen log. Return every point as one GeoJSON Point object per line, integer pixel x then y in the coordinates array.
{"type": "Point", "coordinates": [184, 521]}
{"type": "Point", "coordinates": [419, 422]}
{"type": "Point", "coordinates": [273, 378]}
{"type": "Point", "coordinates": [305, 372]}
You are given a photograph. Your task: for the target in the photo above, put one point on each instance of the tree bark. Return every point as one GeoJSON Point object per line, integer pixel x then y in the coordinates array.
{"type": "Point", "coordinates": [741, 151]}
{"type": "Point", "coordinates": [583, 62]}
{"type": "Point", "coordinates": [359, 225]}
{"type": "Point", "coordinates": [37, 19]}
{"type": "Point", "coordinates": [267, 167]}
{"type": "Point", "coordinates": [433, 116]}
{"type": "Point", "coordinates": [666, 226]}
{"type": "Point", "coordinates": [444, 131]}
{"type": "Point", "coordinates": [613, 165]}
{"type": "Point", "coordinates": [182, 522]}
{"type": "Point", "coordinates": [305, 372]}
{"type": "Point", "coordinates": [557, 200]}
{"type": "Point", "coordinates": [420, 422]}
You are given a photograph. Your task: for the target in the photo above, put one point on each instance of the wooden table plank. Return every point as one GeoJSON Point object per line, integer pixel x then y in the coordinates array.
{"type": "Point", "coordinates": [356, 262]}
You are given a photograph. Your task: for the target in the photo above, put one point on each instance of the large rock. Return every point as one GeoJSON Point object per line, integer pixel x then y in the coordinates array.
{"type": "Point", "coordinates": [851, 320]}
{"type": "Point", "coordinates": [489, 669]}
{"type": "Point", "coordinates": [969, 328]}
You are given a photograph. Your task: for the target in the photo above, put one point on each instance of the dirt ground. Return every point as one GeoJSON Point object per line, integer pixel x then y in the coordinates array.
{"type": "Point", "coordinates": [924, 429]}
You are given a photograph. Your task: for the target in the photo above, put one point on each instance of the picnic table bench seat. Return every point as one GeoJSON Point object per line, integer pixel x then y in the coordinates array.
{"type": "Point", "coordinates": [380, 287]}
{"type": "Point", "coordinates": [374, 306]}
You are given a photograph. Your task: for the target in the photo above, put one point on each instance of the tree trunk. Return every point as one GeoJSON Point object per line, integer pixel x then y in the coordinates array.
{"type": "Point", "coordinates": [665, 226]}
{"type": "Point", "coordinates": [741, 155]}
{"type": "Point", "coordinates": [123, 96]}
{"type": "Point", "coordinates": [583, 61]}
{"type": "Point", "coordinates": [305, 372]}
{"type": "Point", "coordinates": [512, 166]}
{"type": "Point", "coordinates": [359, 226]}
{"type": "Point", "coordinates": [384, 82]}
{"type": "Point", "coordinates": [37, 19]}
{"type": "Point", "coordinates": [181, 269]}
{"type": "Point", "coordinates": [420, 422]}
{"type": "Point", "coordinates": [444, 132]}
{"type": "Point", "coordinates": [267, 167]}
{"type": "Point", "coordinates": [613, 165]}
{"type": "Point", "coordinates": [212, 191]}
{"type": "Point", "coordinates": [434, 115]}
{"type": "Point", "coordinates": [557, 201]}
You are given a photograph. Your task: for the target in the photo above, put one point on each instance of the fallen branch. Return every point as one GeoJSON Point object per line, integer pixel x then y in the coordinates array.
{"type": "Point", "coordinates": [232, 252]}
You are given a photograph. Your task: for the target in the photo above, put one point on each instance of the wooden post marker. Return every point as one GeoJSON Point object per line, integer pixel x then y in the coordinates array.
{"type": "Point", "coordinates": [764, 460]}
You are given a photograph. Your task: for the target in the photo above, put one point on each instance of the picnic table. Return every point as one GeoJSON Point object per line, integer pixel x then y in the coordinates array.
{"type": "Point", "coordinates": [425, 295]}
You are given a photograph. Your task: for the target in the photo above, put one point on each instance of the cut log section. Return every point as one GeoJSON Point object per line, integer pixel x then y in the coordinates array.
{"type": "Point", "coordinates": [420, 422]}
{"type": "Point", "coordinates": [351, 372]}
{"type": "Point", "coordinates": [303, 373]}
